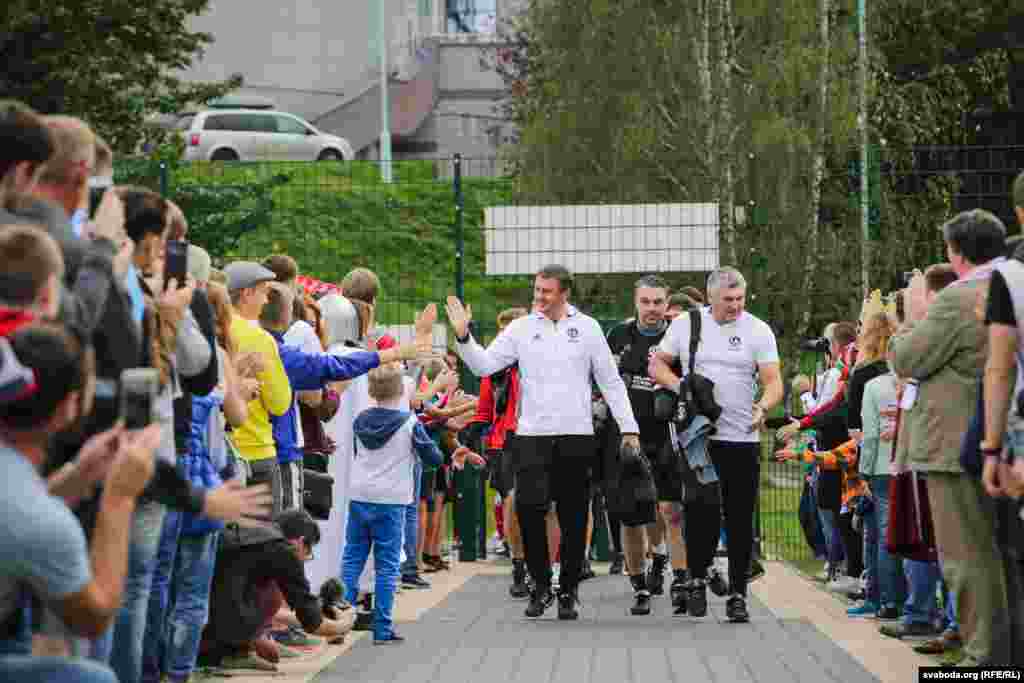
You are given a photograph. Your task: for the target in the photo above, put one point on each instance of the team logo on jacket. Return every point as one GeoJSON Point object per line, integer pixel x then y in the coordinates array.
{"type": "Point", "coordinates": [573, 333]}
{"type": "Point", "coordinates": [735, 343]}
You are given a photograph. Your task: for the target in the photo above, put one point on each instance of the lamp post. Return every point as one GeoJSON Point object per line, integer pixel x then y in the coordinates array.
{"type": "Point", "coordinates": [385, 107]}
{"type": "Point", "coordinates": [862, 126]}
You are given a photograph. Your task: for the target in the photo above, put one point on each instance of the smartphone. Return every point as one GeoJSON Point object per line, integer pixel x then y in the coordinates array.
{"type": "Point", "coordinates": [95, 199]}
{"type": "Point", "coordinates": [176, 262]}
{"type": "Point", "coordinates": [139, 387]}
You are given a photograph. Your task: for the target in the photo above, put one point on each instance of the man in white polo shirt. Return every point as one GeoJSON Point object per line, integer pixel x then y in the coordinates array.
{"type": "Point", "coordinates": [559, 350]}
{"type": "Point", "coordinates": [734, 347]}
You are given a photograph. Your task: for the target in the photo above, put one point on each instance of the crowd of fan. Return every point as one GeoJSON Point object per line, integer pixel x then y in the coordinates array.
{"type": "Point", "coordinates": [910, 444]}
{"type": "Point", "coordinates": [167, 429]}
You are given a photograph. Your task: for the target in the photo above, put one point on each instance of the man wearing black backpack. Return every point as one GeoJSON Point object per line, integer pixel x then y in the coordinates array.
{"type": "Point", "coordinates": [732, 347]}
{"type": "Point", "coordinates": [644, 527]}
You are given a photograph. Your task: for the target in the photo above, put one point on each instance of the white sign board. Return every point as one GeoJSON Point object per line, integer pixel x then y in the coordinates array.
{"type": "Point", "coordinates": [602, 238]}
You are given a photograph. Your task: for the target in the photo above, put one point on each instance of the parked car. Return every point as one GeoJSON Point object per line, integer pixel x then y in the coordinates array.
{"type": "Point", "coordinates": [257, 135]}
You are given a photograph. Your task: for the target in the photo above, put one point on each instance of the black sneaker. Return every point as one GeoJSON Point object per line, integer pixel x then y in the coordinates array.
{"type": "Point", "coordinates": [717, 583]}
{"type": "Point", "coordinates": [641, 596]}
{"type": "Point", "coordinates": [757, 570]}
{"type": "Point", "coordinates": [656, 575]}
{"type": "Point", "coordinates": [540, 600]}
{"type": "Point", "coordinates": [736, 610]}
{"type": "Point", "coordinates": [415, 581]}
{"type": "Point", "coordinates": [567, 606]}
{"type": "Point", "coordinates": [677, 591]}
{"type": "Point", "coordinates": [587, 572]}
{"type": "Point", "coordinates": [889, 613]}
{"type": "Point", "coordinates": [519, 590]}
{"type": "Point", "coordinates": [364, 621]}
{"type": "Point", "coordinates": [618, 565]}
{"type": "Point", "coordinates": [392, 639]}
{"type": "Point", "coordinates": [697, 598]}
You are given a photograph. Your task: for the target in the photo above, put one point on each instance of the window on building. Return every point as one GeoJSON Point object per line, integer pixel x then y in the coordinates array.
{"type": "Point", "coordinates": [472, 16]}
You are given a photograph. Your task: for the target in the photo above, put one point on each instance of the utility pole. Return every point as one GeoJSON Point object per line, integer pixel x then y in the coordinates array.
{"type": "Point", "coordinates": [863, 129]}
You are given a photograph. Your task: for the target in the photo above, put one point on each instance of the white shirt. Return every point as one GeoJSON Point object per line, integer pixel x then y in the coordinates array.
{"type": "Point", "coordinates": [829, 386]}
{"type": "Point", "coordinates": [556, 363]}
{"type": "Point", "coordinates": [728, 355]}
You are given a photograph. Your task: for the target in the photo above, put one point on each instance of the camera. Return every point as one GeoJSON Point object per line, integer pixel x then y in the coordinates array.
{"type": "Point", "coordinates": [139, 387]}
{"type": "Point", "coordinates": [819, 345]}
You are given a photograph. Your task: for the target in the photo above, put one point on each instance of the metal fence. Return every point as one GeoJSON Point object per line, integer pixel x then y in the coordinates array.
{"type": "Point", "coordinates": [425, 235]}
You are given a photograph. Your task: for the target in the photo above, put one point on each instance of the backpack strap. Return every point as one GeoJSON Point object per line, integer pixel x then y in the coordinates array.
{"type": "Point", "coordinates": [695, 316]}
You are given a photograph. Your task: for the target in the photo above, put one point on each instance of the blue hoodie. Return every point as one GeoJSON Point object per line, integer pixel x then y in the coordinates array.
{"type": "Point", "coordinates": [387, 445]}
{"type": "Point", "coordinates": [310, 372]}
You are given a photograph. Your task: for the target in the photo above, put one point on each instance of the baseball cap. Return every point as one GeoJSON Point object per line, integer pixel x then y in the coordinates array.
{"type": "Point", "coordinates": [244, 274]}
{"type": "Point", "coordinates": [298, 524]}
{"type": "Point", "coordinates": [386, 342]}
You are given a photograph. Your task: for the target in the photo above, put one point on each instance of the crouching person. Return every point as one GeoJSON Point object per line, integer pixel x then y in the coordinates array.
{"type": "Point", "coordinates": [259, 571]}
{"type": "Point", "coordinates": [382, 481]}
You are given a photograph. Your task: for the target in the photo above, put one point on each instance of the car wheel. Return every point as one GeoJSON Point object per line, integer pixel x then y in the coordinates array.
{"type": "Point", "coordinates": [330, 155]}
{"type": "Point", "coordinates": [224, 155]}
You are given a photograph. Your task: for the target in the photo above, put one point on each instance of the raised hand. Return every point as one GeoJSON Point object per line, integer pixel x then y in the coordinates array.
{"type": "Point", "coordinates": [463, 454]}
{"type": "Point", "coordinates": [134, 465]}
{"type": "Point", "coordinates": [233, 502]}
{"type": "Point", "coordinates": [459, 316]}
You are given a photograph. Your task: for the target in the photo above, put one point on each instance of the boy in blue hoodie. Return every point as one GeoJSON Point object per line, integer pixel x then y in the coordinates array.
{"type": "Point", "coordinates": [382, 480]}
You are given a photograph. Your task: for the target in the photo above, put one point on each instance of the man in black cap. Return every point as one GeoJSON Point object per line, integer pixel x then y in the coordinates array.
{"type": "Point", "coordinates": [259, 570]}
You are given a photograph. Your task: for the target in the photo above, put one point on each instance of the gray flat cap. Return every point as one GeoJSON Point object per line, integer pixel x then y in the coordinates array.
{"type": "Point", "coordinates": [244, 274]}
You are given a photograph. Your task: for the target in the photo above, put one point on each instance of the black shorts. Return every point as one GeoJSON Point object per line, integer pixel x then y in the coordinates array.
{"type": "Point", "coordinates": [535, 460]}
{"type": "Point", "coordinates": [667, 473]}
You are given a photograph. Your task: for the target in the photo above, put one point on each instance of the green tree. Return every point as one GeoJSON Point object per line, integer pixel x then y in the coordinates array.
{"type": "Point", "coordinates": [111, 62]}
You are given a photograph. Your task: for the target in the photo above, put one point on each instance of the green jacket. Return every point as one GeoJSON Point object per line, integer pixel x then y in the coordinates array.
{"type": "Point", "coordinates": [945, 353]}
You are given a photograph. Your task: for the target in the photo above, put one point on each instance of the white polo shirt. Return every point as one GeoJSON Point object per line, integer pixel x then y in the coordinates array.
{"type": "Point", "coordinates": [556, 363]}
{"type": "Point", "coordinates": [728, 355]}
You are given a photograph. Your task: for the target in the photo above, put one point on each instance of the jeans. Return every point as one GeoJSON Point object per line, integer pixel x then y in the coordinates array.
{"type": "Point", "coordinates": [886, 585]}
{"type": "Point", "coordinates": [949, 613]}
{"type": "Point", "coordinates": [379, 526]}
{"type": "Point", "coordinates": [922, 581]}
{"type": "Point", "coordinates": [160, 598]}
{"type": "Point", "coordinates": [122, 645]}
{"type": "Point", "coordinates": [833, 547]}
{"type": "Point", "coordinates": [193, 574]}
{"type": "Point", "coordinates": [28, 669]}
{"type": "Point", "coordinates": [410, 535]}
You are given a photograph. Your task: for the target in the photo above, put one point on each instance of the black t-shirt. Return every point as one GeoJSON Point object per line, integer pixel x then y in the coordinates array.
{"type": "Point", "coordinates": [633, 351]}
{"type": "Point", "coordinates": [1000, 304]}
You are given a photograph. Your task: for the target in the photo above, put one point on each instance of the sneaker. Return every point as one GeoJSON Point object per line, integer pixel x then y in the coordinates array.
{"type": "Point", "coordinates": [392, 639]}
{"type": "Point", "coordinates": [618, 564]}
{"type": "Point", "coordinates": [587, 572]}
{"type": "Point", "coordinates": [295, 637]}
{"type": "Point", "coordinates": [540, 600]}
{"type": "Point", "coordinates": [285, 652]}
{"type": "Point", "coordinates": [556, 572]}
{"type": "Point", "coordinates": [415, 581]}
{"type": "Point", "coordinates": [697, 598]}
{"type": "Point", "coordinates": [677, 591]}
{"type": "Point", "coordinates": [736, 609]}
{"type": "Point", "coordinates": [757, 570]}
{"type": "Point", "coordinates": [913, 631]}
{"type": "Point", "coordinates": [364, 621]}
{"type": "Point", "coordinates": [889, 613]}
{"type": "Point", "coordinates": [641, 596]}
{"type": "Point", "coordinates": [504, 550]}
{"type": "Point", "coordinates": [717, 583]}
{"type": "Point", "coordinates": [567, 602]}
{"type": "Point", "coordinates": [947, 642]}
{"type": "Point", "coordinates": [826, 574]}
{"type": "Point", "coordinates": [844, 585]}
{"type": "Point", "coordinates": [656, 575]}
{"type": "Point", "coordinates": [866, 610]}
{"type": "Point", "coordinates": [519, 589]}
{"type": "Point", "coordinates": [250, 662]}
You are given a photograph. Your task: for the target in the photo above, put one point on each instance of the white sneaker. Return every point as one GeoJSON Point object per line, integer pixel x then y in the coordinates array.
{"type": "Point", "coordinates": [556, 570]}
{"type": "Point", "coordinates": [844, 584]}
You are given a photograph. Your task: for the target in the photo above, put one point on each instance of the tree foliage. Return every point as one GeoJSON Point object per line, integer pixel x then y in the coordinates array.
{"type": "Point", "coordinates": [110, 62]}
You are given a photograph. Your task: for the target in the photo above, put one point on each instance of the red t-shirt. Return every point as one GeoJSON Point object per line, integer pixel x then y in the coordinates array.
{"type": "Point", "coordinates": [502, 424]}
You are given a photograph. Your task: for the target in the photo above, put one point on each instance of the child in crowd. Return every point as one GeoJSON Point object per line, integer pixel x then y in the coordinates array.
{"type": "Point", "coordinates": [388, 443]}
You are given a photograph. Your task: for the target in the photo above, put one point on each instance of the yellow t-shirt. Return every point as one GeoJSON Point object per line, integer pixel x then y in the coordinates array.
{"type": "Point", "coordinates": [255, 439]}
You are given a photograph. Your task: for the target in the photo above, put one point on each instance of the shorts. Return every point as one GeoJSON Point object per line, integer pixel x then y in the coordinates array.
{"type": "Point", "coordinates": [667, 473]}
{"type": "Point", "coordinates": [536, 460]}
{"type": "Point", "coordinates": [501, 465]}
{"type": "Point", "coordinates": [427, 487]}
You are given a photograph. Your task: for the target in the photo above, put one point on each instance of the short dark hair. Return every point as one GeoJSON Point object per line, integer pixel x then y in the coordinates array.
{"type": "Point", "coordinates": [273, 313]}
{"type": "Point", "coordinates": [977, 235]}
{"type": "Point", "coordinates": [557, 272]}
{"type": "Point", "coordinates": [655, 281]}
{"type": "Point", "coordinates": [31, 257]}
{"type": "Point", "coordinates": [283, 266]}
{"type": "Point", "coordinates": [24, 136]}
{"type": "Point", "coordinates": [939, 276]}
{"type": "Point", "coordinates": [145, 212]}
{"type": "Point", "coordinates": [844, 333]}
{"type": "Point", "coordinates": [296, 524]}
{"type": "Point", "coordinates": [361, 284]}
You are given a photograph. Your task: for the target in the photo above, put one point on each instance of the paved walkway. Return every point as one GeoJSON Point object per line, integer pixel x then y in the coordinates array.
{"type": "Point", "coordinates": [477, 633]}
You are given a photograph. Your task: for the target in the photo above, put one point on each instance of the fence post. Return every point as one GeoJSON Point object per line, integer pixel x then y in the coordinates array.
{"type": "Point", "coordinates": [163, 179]}
{"type": "Point", "coordinates": [460, 272]}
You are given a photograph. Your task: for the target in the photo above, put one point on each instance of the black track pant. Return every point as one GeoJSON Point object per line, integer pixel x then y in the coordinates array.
{"type": "Point", "coordinates": [554, 469]}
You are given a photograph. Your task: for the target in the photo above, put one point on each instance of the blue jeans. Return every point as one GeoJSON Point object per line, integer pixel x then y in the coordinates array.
{"type": "Point", "coordinates": [412, 526]}
{"type": "Point", "coordinates": [378, 525]}
{"type": "Point", "coordinates": [922, 580]}
{"type": "Point", "coordinates": [949, 611]}
{"type": "Point", "coordinates": [886, 585]}
{"type": "Point", "coordinates": [190, 588]}
{"type": "Point", "coordinates": [28, 669]}
{"type": "Point", "coordinates": [160, 598]}
{"type": "Point", "coordinates": [122, 645]}
{"type": "Point", "coordinates": [833, 542]}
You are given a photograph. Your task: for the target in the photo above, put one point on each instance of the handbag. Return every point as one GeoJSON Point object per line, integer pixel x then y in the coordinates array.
{"type": "Point", "coordinates": [318, 494]}
{"type": "Point", "coordinates": [696, 392]}
{"type": "Point", "coordinates": [911, 531]}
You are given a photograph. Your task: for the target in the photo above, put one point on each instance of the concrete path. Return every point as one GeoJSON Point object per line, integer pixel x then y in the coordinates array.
{"type": "Point", "coordinates": [477, 633]}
